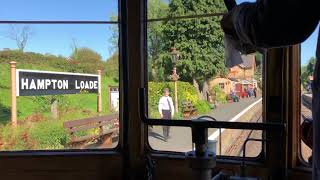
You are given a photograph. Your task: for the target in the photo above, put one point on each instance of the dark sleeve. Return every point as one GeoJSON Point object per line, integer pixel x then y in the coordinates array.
{"type": "Point", "coordinates": [274, 23]}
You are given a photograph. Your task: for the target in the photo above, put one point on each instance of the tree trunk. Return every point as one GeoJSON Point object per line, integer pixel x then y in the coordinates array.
{"type": "Point", "coordinates": [205, 90]}
{"type": "Point", "coordinates": [196, 85]}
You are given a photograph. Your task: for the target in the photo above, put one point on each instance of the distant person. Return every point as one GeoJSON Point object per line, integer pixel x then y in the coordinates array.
{"type": "Point", "coordinates": [166, 110]}
{"type": "Point", "coordinates": [255, 92]}
{"type": "Point", "coordinates": [234, 96]}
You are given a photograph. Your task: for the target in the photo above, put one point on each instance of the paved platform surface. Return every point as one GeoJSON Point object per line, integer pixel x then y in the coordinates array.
{"type": "Point", "coordinates": [181, 137]}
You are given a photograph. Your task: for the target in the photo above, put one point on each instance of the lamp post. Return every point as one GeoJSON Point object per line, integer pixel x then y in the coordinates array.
{"type": "Point", "coordinates": [174, 76]}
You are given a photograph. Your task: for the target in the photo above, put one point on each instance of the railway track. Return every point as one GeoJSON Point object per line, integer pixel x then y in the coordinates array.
{"type": "Point", "coordinates": [236, 148]}
{"type": "Point", "coordinates": [306, 107]}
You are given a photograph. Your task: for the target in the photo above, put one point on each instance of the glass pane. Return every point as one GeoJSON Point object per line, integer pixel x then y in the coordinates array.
{"type": "Point", "coordinates": [63, 117]}
{"type": "Point", "coordinates": [231, 141]}
{"type": "Point", "coordinates": [241, 1]}
{"type": "Point", "coordinates": [188, 63]}
{"type": "Point", "coordinates": [188, 77]}
{"type": "Point", "coordinates": [58, 10]}
{"type": "Point", "coordinates": [172, 8]}
{"type": "Point", "coordinates": [308, 59]}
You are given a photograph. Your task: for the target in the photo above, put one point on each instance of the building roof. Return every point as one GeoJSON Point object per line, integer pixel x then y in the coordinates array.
{"type": "Point", "coordinates": [233, 79]}
{"type": "Point", "coordinates": [247, 61]}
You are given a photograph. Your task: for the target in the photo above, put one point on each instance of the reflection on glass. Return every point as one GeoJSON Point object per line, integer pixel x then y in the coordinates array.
{"type": "Point", "coordinates": [64, 121]}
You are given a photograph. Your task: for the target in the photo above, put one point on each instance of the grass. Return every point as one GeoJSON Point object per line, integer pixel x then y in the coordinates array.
{"type": "Point", "coordinates": [36, 129]}
{"type": "Point", "coordinates": [29, 105]}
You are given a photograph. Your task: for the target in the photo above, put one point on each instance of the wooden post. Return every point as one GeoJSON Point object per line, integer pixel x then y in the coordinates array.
{"type": "Point", "coordinates": [99, 105]}
{"type": "Point", "coordinates": [54, 109]}
{"type": "Point", "coordinates": [176, 95]}
{"type": "Point", "coordinates": [13, 94]}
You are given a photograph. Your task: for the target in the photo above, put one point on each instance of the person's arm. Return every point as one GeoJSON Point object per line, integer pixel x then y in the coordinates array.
{"type": "Point", "coordinates": [271, 23]}
{"type": "Point", "coordinates": [160, 108]}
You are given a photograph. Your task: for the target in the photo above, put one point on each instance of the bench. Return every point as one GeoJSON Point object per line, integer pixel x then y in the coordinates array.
{"type": "Point", "coordinates": [103, 137]}
{"type": "Point", "coordinates": [188, 109]}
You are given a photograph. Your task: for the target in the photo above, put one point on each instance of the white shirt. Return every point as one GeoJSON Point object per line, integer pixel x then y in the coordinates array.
{"type": "Point", "coordinates": [164, 105]}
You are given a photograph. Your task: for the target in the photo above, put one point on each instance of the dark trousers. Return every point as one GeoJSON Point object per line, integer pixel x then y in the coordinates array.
{"type": "Point", "coordinates": [166, 129]}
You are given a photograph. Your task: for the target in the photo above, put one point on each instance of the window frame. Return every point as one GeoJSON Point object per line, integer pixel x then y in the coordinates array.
{"type": "Point", "coordinates": [301, 163]}
{"type": "Point", "coordinates": [123, 88]}
{"type": "Point", "coordinates": [262, 154]}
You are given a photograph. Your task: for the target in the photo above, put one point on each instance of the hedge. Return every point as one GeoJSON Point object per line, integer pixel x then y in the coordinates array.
{"type": "Point", "coordinates": [186, 92]}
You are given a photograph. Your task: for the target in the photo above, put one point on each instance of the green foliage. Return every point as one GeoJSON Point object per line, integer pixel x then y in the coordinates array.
{"type": "Point", "coordinates": [259, 59]}
{"type": "Point", "coordinates": [112, 66]}
{"type": "Point", "coordinates": [199, 40]}
{"type": "Point", "coordinates": [87, 60]}
{"type": "Point", "coordinates": [49, 135]}
{"type": "Point", "coordinates": [202, 107]}
{"type": "Point", "coordinates": [218, 95]}
{"type": "Point", "coordinates": [307, 71]}
{"type": "Point", "coordinates": [186, 92]}
{"type": "Point", "coordinates": [156, 9]}
{"type": "Point", "coordinates": [14, 139]}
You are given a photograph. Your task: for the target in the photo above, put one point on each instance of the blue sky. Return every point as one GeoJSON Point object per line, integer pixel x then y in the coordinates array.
{"type": "Point", "coordinates": [57, 39]}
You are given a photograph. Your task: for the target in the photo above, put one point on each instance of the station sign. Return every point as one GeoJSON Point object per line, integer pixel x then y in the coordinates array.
{"type": "Point", "coordinates": [39, 83]}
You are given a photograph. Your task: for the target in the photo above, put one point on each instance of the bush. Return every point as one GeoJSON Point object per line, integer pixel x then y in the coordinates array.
{"type": "Point", "coordinates": [15, 139]}
{"type": "Point", "coordinates": [202, 107]}
{"type": "Point", "coordinates": [49, 135]}
{"type": "Point", "coordinates": [186, 92]}
{"type": "Point", "coordinates": [218, 95]}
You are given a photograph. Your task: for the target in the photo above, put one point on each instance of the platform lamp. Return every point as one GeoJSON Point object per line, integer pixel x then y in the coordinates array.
{"type": "Point", "coordinates": [175, 55]}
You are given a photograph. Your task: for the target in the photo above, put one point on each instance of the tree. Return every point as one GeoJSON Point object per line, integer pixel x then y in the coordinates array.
{"type": "Point", "coordinates": [307, 71]}
{"type": "Point", "coordinates": [87, 59]}
{"type": "Point", "coordinates": [156, 9]}
{"type": "Point", "coordinates": [20, 35]}
{"type": "Point", "coordinates": [155, 41]}
{"type": "Point", "coordinates": [112, 66]}
{"type": "Point", "coordinates": [199, 40]}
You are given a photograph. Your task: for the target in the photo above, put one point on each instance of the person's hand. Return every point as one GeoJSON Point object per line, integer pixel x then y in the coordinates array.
{"type": "Point", "coordinates": [161, 116]}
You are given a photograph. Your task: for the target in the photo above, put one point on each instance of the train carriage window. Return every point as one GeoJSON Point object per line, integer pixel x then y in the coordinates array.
{"type": "Point", "coordinates": [59, 70]}
{"type": "Point", "coordinates": [308, 59]}
{"type": "Point", "coordinates": [187, 77]}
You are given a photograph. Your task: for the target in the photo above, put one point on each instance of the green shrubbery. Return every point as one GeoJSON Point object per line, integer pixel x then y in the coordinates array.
{"type": "Point", "coordinates": [186, 92]}
{"type": "Point", "coordinates": [48, 135]}
{"type": "Point", "coordinates": [14, 139]}
{"type": "Point", "coordinates": [202, 107]}
{"type": "Point", "coordinates": [218, 95]}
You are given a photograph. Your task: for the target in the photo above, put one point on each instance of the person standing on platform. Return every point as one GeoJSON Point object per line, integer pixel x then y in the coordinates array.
{"type": "Point", "coordinates": [166, 110]}
{"type": "Point", "coordinates": [255, 92]}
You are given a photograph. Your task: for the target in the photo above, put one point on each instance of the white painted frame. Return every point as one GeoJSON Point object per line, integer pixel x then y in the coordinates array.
{"type": "Point", "coordinates": [54, 72]}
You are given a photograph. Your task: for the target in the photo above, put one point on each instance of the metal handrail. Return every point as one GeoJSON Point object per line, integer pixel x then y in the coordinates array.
{"type": "Point", "coordinates": [220, 139]}
{"type": "Point", "coordinates": [242, 166]}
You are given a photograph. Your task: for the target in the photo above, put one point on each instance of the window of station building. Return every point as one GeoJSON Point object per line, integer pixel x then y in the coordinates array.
{"type": "Point", "coordinates": [59, 69]}
{"type": "Point", "coordinates": [308, 60]}
{"type": "Point", "coordinates": [186, 69]}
